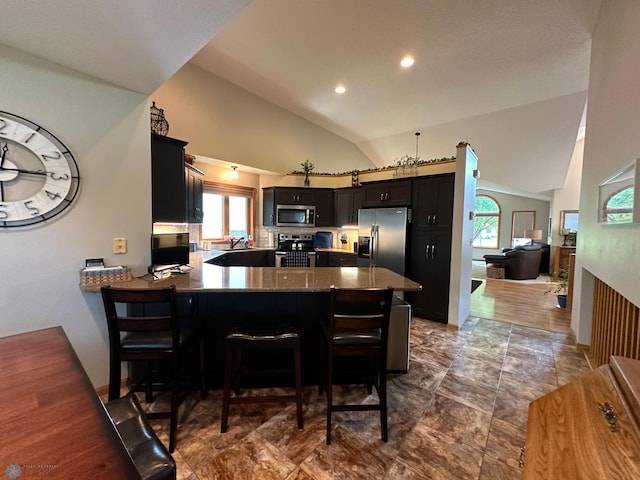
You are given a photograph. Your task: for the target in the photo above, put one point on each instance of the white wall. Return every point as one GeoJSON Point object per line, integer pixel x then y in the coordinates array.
{"type": "Point", "coordinates": [567, 198]}
{"type": "Point", "coordinates": [462, 236]}
{"type": "Point", "coordinates": [107, 130]}
{"type": "Point", "coordinates": [609, 252]}
{"type": "Point", "coordinates": [225, 122]}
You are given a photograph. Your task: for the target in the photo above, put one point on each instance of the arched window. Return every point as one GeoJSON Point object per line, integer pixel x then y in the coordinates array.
{"type": "Point", "coordinates": [619, 208]}
{"type": "Point", "coordinates": [486, 222]}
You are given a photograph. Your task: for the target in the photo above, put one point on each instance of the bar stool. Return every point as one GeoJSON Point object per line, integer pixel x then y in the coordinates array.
{"type": "Point", "coordinates": [359, 327]}
{"type": "Point", "coordinates": [144, 326]}
{"type": "Point", "coordinates": [240, 339]}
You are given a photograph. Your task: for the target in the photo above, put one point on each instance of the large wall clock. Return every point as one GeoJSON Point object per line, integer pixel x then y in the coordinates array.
{"type": "Point", "coordinates": [39, 177]}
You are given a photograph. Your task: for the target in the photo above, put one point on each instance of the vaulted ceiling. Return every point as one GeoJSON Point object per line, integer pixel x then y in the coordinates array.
{"type": "Point", "coordinates": [508, 76]}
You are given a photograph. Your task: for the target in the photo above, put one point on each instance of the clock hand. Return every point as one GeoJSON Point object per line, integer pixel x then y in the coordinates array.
{"type": "Point", "coordinates": [4, 154]}
{"type": "Point", "coordinates": [21, 170]}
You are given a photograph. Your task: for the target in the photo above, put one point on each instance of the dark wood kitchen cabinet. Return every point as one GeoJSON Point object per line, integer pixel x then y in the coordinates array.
{"type": "Point", "coordinates": [433, 201]}
{"type": "Point", "coordinates": [387, 193]}
{"type": "Point", "coordinates": [319, 198]}
{"type": "Point", "coordinates": [336, 259]}
{"type": "Point", "coordinates": [347, 202]}
{"type": "Point", "coordinates": [176, 186]}
{"type": "Point", "coordinates": [430, 254]}
{"type": "Point", "coordinates": [323, 201]}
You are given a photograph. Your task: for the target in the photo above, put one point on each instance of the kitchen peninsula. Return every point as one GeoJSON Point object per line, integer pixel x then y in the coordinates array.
{"type": "Point", "coordinates": [220, 297]}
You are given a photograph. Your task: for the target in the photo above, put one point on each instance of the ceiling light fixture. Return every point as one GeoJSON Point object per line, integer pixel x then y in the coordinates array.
{"type": "Point", "coordinates": [340, 89]}
{"type": "Point", "coordinates": [234, 172]}
{"type": "Point", "coordinates": [407, 62]}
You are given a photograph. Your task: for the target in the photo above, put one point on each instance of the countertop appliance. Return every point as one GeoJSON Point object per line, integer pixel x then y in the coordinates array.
{"type": "Point", "coordinates": [323, 240]}
{"type": "Point", "coordinates": [295, 250]}
{"type": "Point", "coordinates": [383, 237]}
{"type": "Point", "coordinates": [295, 216]}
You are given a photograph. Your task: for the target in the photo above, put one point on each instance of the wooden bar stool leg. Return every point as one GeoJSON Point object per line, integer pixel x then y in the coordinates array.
{"type": "Point", "coordinates": [149, 383]}
{"type": "Point", "coordinates": [203, 363]}
{"type": "Point", "coordinates": [226, 393]}
{"type": "Point", "coordinates": [382, 393]}
{"type": "Point", "coordinates": [329, 389]}
{"type": "Point", "coordinates": [298, 374]}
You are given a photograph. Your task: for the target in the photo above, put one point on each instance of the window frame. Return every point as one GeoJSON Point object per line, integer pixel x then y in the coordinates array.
{"type": "Point", "coordinates": [227, 190]}
{"type": "Point", "coordinates": [497, 214]}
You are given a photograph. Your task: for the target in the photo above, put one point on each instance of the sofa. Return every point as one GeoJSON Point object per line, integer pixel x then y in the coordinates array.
{"type": "Point", "coordinates": [520, 263]}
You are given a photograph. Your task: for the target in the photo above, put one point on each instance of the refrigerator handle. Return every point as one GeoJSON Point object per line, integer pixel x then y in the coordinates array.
{"type": "Point", "coordinates": [373, 252]}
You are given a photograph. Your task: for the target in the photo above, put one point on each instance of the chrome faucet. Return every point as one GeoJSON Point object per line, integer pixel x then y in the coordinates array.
{"type": "Point", "coordinates": [233, 243]}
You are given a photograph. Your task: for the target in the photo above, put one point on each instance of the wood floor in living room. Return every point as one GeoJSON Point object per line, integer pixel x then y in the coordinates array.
{"type": "Point", "coordinates": [459, 413]}
{"type": "Point", "coordinates": [519, 302]}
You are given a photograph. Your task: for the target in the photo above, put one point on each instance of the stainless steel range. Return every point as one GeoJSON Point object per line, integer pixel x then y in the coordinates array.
{"type": "Point", "coordinates": [295, 250]}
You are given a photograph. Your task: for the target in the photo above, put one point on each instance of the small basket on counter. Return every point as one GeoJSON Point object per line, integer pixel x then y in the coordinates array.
{"type": "Point", "coordinates": [92, 278]}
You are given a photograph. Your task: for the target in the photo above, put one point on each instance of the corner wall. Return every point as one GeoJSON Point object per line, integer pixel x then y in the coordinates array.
{"type": "Point", "coordinates": [609, 252]}
{"type": "Point", "coordinates": [107, 130]}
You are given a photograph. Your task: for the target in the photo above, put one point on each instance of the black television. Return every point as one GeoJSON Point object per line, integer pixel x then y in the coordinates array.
{"type": "Point", "coordinates": [169, 249]}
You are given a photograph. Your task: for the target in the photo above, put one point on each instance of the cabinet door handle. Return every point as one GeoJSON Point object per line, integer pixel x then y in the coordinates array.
{"type": "Point", "coordinates": [433, 252]}
{"type": "Point", "coordinates": [386, 196]}
{"type": "Point", "coordinates": [382, 197]}
{"type": "Point", "coordinates": [434, 219]}
{"type": "Point", "coordinates": [426, 251]}
{"type": "Point", "coordinates": [428, 219]}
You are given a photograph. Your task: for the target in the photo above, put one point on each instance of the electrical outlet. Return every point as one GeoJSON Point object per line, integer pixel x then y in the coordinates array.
{"type": "Point", "coordinates": [119, 245]}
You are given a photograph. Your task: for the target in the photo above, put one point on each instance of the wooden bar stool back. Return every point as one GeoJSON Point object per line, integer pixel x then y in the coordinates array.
{"type": "Point", "coordinates": [359, 327]}
{"type": "Point", "coordinates": [144, 326]}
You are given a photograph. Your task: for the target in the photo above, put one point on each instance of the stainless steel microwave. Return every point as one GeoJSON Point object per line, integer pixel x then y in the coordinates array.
{"type": "Point", "coordinates": [295, 216]}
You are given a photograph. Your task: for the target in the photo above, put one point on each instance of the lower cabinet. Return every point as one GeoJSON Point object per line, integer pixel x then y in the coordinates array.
{"type": "Point", "coordinates": [336, 259]}
{"type": "Point", "coordinates": [430, 267]}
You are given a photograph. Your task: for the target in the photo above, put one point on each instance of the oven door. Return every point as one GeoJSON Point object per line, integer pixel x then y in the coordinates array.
{"type": "Point", "coordinates": [295, 215]}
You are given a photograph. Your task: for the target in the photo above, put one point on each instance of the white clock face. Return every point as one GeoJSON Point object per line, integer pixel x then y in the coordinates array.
{"type": "Point", "coordinates": [39, 177]}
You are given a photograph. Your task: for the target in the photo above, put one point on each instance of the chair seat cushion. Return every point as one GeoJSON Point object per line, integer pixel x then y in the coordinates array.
{"type": "Point", "coordinates": [154, 340]}
{"type": "Point", "coordinates": [286, 337]}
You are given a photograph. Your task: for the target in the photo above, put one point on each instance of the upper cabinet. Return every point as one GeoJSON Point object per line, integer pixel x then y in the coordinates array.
{"type": "Point", "coordinates": [319, 198]}
{"type": "Point", "coordinates": [176, 187]}
{"type": "Point", "coordinates": [387, 193]}
{"type": "Point", "coordinates": [347, 202]}
{"type": "Point", "coordinates": [433, 201]}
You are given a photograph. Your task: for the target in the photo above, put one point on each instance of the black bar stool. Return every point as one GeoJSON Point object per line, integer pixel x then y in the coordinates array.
{"type": "Point", "coordinates": [144, 327]}
{"type": "Point", "coordinates": [240, 339]}
{"type": "Point", "coordinates": [359, 327]}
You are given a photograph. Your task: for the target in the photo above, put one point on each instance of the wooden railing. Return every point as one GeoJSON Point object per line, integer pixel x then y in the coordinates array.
{"type": "Point", "coordinates": [615, 329]}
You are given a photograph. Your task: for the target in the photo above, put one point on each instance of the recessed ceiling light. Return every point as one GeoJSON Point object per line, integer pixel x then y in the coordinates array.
{"type": "Point", "coordinates": [340, 89]}
{"type": "Point", "coordinates": [407, 62]}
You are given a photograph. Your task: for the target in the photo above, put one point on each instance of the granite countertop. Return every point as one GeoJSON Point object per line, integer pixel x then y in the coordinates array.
{"type": "Point", "coordinates": [205, 277]}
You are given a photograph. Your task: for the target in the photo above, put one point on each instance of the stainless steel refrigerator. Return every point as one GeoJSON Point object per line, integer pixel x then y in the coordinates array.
{"type": "Point", "coordinates": [383, 237]}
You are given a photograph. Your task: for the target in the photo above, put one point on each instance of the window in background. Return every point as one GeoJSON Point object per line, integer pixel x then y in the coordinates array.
{"type": "Point", "coordinates": [486, 222]}
{"type": "Point", "coordinates": [227, 211]}
{"type": "Point", "coordinates": [619, 208]}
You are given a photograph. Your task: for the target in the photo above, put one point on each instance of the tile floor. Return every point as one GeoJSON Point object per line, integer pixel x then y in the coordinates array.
{"type": "Point", "coordinates": [460, 413]}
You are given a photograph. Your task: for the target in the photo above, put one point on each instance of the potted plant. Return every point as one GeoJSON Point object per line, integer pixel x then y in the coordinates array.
{"type": "Point", "coordinates": [307, 168]}
{"type": "Point", "coordinates": [560, 286]}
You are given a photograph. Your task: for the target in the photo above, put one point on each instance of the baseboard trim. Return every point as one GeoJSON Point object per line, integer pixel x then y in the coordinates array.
{"type": "Point", "coordinates": [104, 389]}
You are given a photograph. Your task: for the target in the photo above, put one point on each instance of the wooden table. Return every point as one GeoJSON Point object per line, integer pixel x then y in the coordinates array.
{"type": "Point", "coordinates": [570, 438]}
{"type": "Point", "coordinates": [52, 423]}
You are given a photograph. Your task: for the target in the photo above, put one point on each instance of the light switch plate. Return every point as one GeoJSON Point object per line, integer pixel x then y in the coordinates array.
{"type": "Point", "coordinates": [119, 245]}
